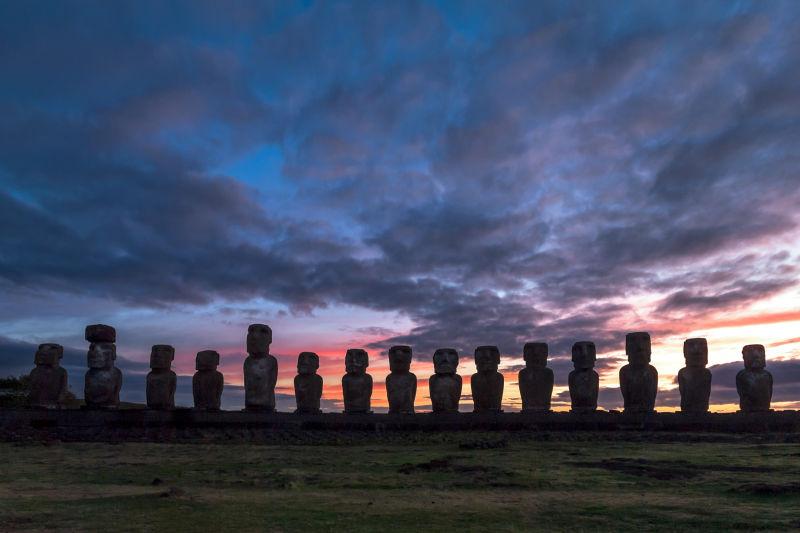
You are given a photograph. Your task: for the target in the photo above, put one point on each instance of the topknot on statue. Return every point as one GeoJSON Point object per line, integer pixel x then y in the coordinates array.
{"type": "Point", "coordinates": [100, 333]}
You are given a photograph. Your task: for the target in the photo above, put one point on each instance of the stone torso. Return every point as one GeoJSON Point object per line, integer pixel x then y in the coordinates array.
{"type": "Point", "coordinates": [357, 392]}
{"type": "Point", "coordinates": [583, 389]}
{"type": "Point", "coordinates": [102, 387]}
{"type": "Point", "coordinates": [487, 391]}
{"type": "Point", "coordinates": [161, 389]}
{"type": "Point", "coordinates": [401, 389]}
{"type": "Point", "coordinates": [445, 390]}
{"type": "Point", "coordinates": [755, 390]}
{"type": "Point", "coordinates": [207, 388]}
{"type": "Point", "coordinates": [536, 388]}
{"type": "Point", "coordinates": [48, 386]}
{"type": "Point", "coordinates": [307, 392]}
{"type": "Point", "coordinates": [639, 386]}
{"type": "Point", "coordinates": [260, 375]}
{"type": "Point", "coordinates": [695, 388]}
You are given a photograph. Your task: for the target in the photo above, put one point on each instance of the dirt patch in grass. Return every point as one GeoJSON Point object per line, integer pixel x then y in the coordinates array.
{"type": "Point", "coordinates": [664, 469]}
{"type": "Point", "coordinates": [768, 489]}
{"type": "Point", "coordinates": [484, 444]}
{"type": "Point", "coordinates": [468, 476]}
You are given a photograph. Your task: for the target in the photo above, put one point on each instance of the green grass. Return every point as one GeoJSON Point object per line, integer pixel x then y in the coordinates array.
{"type": "Point", "coordinates": [426, 484]}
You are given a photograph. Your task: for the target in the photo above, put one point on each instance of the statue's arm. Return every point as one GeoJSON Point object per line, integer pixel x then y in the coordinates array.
{"type": "Point", "coordinates": [654, 392]}
{"type": "Point", "coordinates": [273, 373]}
{"type": "Point", "coordinates": [63, 387]}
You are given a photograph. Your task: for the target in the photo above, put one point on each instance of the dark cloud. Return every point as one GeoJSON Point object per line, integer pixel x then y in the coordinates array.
{"type": "Point", "coordinates": [497, 184]}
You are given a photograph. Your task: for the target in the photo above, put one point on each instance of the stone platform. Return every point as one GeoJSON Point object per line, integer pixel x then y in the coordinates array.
{"type": "Point", "coordinates": [189, 425]}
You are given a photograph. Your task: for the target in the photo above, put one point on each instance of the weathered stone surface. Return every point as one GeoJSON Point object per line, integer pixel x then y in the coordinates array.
{"type": "Point", "coordinates": [584, 383]}
{"type": "Point", "coordinates": [48, 379]}
{"type": "Point", "coordinates": [161, 380]}
{"type": "Point", "coordinates": [694, 380]}
{"type": "Point", "coordinates": [754, 382]}
{"type": "Point", "coordinates": [103, 380]}
{"type": "Point", "coordinates": [260, 370]}
{"type": "Point", "coordinates": [638, 379]}
{"type": "Point", "coordinates": [356, 384]}
{"type": "Point", "coordinates": [307, 383]}
{"type": "Point", "coordinates": [401, 384]}
{"type": "Point", "coordinates": [535, 380]}
{"type": "Point", "coordinates": [207, 382]}
{"type": "Point", "coordinates": [487, 382]}
{"type": "Point", "coordinates": [445, 384]}
{"type": "Point", "coordinates": [100, 333]}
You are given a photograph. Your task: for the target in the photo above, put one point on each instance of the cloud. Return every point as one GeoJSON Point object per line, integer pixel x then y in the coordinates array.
{"type": "Point", "coordinates": [529, 176]}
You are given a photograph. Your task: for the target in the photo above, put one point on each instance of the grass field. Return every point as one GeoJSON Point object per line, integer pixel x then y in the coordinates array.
{"type": "Point", "coordinates": [468, 482]}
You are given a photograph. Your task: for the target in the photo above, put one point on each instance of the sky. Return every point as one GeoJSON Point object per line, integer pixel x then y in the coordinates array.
{"type": "Point", "coordinates": [437, 174]}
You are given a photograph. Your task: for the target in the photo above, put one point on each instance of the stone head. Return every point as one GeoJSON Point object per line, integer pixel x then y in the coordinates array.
{"type": "Point", "coordinates": [101, 355]}
{"type": "Point", "coordinates": [584, 355]}
{"type": "Point", "coordinates": [100, 333]}
{"type": "Point", "coordinates": [49, 354]}
{"type": "Point", "coordinates": [356, 361]}
{"type": "Point", "coordinates": [161, 356]}
{"type": "Point", "coordinates": [207, 360]}
{"type": "Point", "coordinates": [755, 357]}
{"type": "Point", "coordinates": [695, 351]}
{"type": "Point", "coordinates": [400, 358]}
{"type": "Point", "coordinates": [487, 358]}
{"type": "Point", "coordinates": [535, 354]}
{"type": "Point", "coordinates": [445, 361]}
{"type": "Point", "coordinates": [259, 337]}
{"type": "Point", "coordinates": [637, 347]}
{"type": "Point", "coordinates": [307, 363]}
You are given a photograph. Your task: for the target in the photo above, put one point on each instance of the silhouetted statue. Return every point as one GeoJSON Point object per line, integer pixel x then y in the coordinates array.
{"type": "Point", "coordinates": [103, 380]}
{"type": "Point", "coordinates": [401, 384]}
{"type": "Point", "coordinates": [307, 383]}
{"type": "Point", "coordinates": [356, 384]}
{"type": "Point", "coordinates": [445, 384]}
{"type": "Point", "coordinates": [754, 383]}
{"type": "Point", "coordinates": [694, 380]}
{"type": "Point", "coordinates": [207, 382]}
{"type": "Point", "coordinates": [487, 383]}
{"type": "Point", "coordinates": [260, 370]}
{"type": "Point", "coordinates": [638, 379]}
{"type": "Point", "coordinates": [161, 380]}
{"type": "Point", "coordinates": [48, 379]}
{"type": "Point", "coordinates": [584, 383]}
{"type": "Point", "coordinates": [535, 380]}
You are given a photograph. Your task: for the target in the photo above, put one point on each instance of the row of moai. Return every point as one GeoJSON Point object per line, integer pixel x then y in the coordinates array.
{"type": "Point", "coordinates": [638, 379]}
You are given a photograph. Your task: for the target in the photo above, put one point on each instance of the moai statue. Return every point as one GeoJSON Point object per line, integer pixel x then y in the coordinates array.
{"type": "Point", "coordinates": [207, 382]}
{"type": "Point", "coordinates": [307, 383]}
{"type": "Point", "coordinates": [535, 380]}
{"type": "Point", "coordinates": [638, 380]}
{"type": "Point", "coordinates": [260, 370]}
{"type": "Point", "coordinates": [487, 383]}
{"type": "Point", "coordinates": [754, 383]}
{"type": "Point", "coordinates": [694, 380]}
{"type": "Point", "coordinates": [48, 379]}
{"type": "Point", "coordinates": [401, 384]}
{"type": "Point", "coordinates": [356, 384]}
{"type": "Point", "coordinates": [584, 383]}
{"type": "Point", "coordinates": [161, 380]}
{"type": "Point", "coordinates": [103, 380]}
{"type": "Point", "coordinates": [445, 384]}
